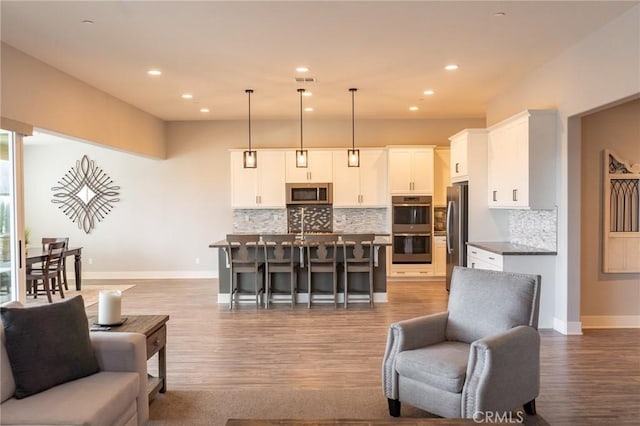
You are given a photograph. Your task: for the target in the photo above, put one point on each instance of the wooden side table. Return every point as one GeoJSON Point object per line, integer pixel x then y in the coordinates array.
{"type": "Point", "coordinates": [154, 327]}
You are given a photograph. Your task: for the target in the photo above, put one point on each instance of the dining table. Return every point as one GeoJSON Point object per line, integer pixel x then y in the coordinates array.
{"type": "Point", "coordinates": [38, 255]}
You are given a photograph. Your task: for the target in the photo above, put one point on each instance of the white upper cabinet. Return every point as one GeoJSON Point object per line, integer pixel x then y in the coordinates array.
{"type": "Point", "coordinates": [320, 167]}
{"type": "Point", "coordinates": [411, 170]}
{"type": "Point", "coordinates": [522, 161]}
{"type": "Point", "coordinates": [459, 159]}
{"type": "Point", "coordinates": [364, 186]}
{"type": "Point", "coordinates": [262, 187]}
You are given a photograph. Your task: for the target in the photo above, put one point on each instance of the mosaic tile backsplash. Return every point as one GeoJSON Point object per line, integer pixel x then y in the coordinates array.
{"type": "Point", "coordinates": [316, 219]}
{"type": "Point", "coordinates": [343, 220]}
{"type": "Point", "coordinates": [535, 228]}
{"type": "Point", "coordinates": [360, 220]}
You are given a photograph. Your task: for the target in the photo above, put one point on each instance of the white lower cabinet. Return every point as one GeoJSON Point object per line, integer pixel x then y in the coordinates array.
{"type": "Point", "coordinates": [543, 265]}
{"type": "Point", "coordinates": [483, 259]}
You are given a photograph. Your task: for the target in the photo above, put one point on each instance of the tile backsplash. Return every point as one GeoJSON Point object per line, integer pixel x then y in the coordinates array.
{"type": "Point", "coordinates": [344, 220]}
{"type": "Point", "coordinates": [535, 228]}
{"type": "Point", "coordinates": [360, 220]}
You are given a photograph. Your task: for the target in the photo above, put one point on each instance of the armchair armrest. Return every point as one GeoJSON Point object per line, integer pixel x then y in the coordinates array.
{"type": "Point", "coordinates": [406, 335]}
{"type": "Point", "coordinates": [125, 352]}
{"type": "Point", "coordinates": [503, 372]}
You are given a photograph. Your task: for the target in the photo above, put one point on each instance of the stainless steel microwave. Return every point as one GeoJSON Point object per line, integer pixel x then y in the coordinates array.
{"type": "Point", "coordinates": [309, 193]}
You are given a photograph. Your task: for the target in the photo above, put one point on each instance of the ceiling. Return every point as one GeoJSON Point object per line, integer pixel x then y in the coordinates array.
{"type": "Point", "coordinates": [391, 51]}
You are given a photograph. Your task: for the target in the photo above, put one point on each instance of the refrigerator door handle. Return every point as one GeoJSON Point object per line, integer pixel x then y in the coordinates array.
{"type": "Point", "coordinates": [448, 227]}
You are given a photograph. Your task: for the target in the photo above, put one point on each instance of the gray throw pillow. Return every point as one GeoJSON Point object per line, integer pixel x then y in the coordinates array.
{"type": "Point", "coordinates": [48, 345]}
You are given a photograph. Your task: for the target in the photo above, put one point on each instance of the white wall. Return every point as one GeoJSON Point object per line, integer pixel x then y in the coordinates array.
{"type": "Point", "coordinates": [163, 222]}
{"type": "Point", "coordinates": [601, 69]}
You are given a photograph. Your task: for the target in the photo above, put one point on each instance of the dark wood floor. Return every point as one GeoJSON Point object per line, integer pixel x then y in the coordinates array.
{"type": "Point", "coordinates": [588, 379]}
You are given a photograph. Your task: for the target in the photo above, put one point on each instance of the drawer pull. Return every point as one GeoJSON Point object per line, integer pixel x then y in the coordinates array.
{"type": "Point", "coordinates": [492, 258]}
{"type": "Point", "coordinates": [495, 195]}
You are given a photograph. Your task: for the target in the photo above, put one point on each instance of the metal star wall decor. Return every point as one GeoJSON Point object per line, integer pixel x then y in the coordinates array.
{"type": "Point", "coordinates": [85, 194]}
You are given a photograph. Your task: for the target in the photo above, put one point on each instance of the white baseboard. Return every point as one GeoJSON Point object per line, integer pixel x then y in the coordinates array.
{"type": "Point", "coordinates": [147, 275]}
{"type": "Point", "coordinates": [302, 298]}
{"type": "Point", "coordinates": [568, 328]}
{"type": "Point", "coordinates": [610, 321]}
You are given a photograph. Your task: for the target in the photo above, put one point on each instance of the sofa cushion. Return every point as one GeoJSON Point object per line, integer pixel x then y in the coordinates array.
{"type": "Point", "coordinates": [48, 345]}
{"type": "Point", "coordinates": [99, 399]}
{"type": "Point", "coordinates": [443, 365]}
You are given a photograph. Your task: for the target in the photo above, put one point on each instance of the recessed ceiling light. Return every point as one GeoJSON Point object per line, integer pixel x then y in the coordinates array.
{"type": "Point", "coordinates": [306, 93]}
{"type": "Point", "coordinates": [204, 109]}
{"type": "Point", "coordinates": [451, 67]}
{"type": "Point", "coordinates": [429, 92]}
{"type": "Point", "coordinates": [87, 21]}
{"type": "Point", "coordinates": [154, 72]}
{"type": "Point", "coordinates": [308, 109]}
{"type": "Point", "coordinates": [413, 108]}
{"type": "Point", "coordinates": [187, 96]}
{"type": "Point", "coordinates": [499, 14]}
{"type": "Point", "coordinates": [302, 69]}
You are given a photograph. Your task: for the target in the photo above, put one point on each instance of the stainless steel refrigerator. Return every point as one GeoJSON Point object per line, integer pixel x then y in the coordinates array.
{"type": "Point", "coordinates": [457, 227]}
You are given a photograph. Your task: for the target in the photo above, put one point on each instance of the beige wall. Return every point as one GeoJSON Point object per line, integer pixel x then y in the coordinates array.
{"type": "Point", "coordinates": [42, 96]}
{"type": "Point", "coordinates": [617, 129]}
{"type": "Point", "coordinates": [601, 69]}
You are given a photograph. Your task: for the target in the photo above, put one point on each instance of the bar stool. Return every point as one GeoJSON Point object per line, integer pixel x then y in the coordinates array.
{"type": "Point", "coordinates": [242, 254]}
{"type": "Point", "coordinates": [279, 255]}
{"type": "Point", "coordinates": [358, 258]}
{"type": "Point", "coordinates": [322, 258]}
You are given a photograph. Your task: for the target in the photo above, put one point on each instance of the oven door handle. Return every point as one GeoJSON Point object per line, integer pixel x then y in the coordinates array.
{"type": "Point", "coordinates": [411, 234]}
{"type": "Point", "coordinates": [448, 227]}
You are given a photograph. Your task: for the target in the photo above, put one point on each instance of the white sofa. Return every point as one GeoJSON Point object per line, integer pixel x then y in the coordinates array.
{"type": "Point", "coordinates": [116, 395]}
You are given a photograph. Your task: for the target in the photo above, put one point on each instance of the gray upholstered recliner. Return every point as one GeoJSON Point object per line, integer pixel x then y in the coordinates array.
{"type": "Point", "coordinates": [481, 356]}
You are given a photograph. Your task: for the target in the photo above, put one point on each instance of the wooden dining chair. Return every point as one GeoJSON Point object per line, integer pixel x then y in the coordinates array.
{"type": "Point", "coordinates": [49, 273]}
{"type": "Point", "coordinates": [62, 272]}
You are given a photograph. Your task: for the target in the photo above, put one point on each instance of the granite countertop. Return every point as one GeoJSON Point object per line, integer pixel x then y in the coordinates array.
{"type": "Point", "coordinates": [380, 240]}
{"type": "Point", "coordinates": [507, 248]}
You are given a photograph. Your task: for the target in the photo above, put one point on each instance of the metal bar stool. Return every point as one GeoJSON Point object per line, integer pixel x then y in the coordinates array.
{"type": "Point", "coordinates": [279, 255]}
{"type": "Point", "coordinates": [242, 254]}
{"type": "Point", "coordinates": [322, 258]}
{"type": "Point", "coordinates": [358, 258]}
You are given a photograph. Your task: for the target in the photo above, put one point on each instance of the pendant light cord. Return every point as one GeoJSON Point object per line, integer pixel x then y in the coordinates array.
{"type": "Point", "coordinates": [300, 91]}
{"type": "Point", "coordinates": [353, 120]}
{"type": "Point", "coordinates": [249, 92]}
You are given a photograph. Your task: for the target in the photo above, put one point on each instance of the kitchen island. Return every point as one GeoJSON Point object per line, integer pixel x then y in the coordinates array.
{"type": "Point", "coordinates": [281, 279]}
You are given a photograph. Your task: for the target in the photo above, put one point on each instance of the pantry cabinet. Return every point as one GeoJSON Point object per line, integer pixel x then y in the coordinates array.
{"type": "Point", "coordinates": [467, 150]}
{"type": "Point", "coordinates": [439, 255]}
{"type": "Point", "coordinates": [262, 187]}
{"type": "Point", "coordinates": [522, 161]}
{"type": "Point", "coordinates": [411, 171]}
{"type": "Point", "coordinates": [364, 186]}
{"type": "Point", "coordinates": [320, 167]}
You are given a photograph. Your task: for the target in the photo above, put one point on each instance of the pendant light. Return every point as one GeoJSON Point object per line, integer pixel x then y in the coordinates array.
{"type": "Point", "coordinates": [249, 158]}
{"type": "Point", "coordinates": [353, 154]}
{"type": "Point", "coordinates": [302, 155]}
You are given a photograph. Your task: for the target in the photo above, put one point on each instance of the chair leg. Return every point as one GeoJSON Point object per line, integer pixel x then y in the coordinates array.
{"type": "Point", "coordinates": [335, 286]}
{"type": "Point", "coordinates": [346, 286]}
{"type": "Point", "coordinates": [232, 291]}
{"type": "Point", "coordinates": [371, 286]}
{"type": "Point", "coordinates": [530, 407]}
{"type": "Point", "coordinates": [47, 289]}
{"type": "Point", "coordinates": [293, 288]}
{"type": "Point", "coordinates": [394, 407]}
{"type": "Point", "coordinates": [309, 286]}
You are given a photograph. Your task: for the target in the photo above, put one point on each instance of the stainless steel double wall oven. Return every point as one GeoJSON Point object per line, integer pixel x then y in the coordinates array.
{"type": "Point", "coordinates": [411, 229]}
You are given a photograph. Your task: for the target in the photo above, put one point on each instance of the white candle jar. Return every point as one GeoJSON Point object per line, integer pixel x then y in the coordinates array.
{"type": "Point", "coordinates": [110, 307]}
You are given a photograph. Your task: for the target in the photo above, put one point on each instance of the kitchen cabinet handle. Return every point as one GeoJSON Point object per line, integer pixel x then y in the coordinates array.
{"type": "Point", "coordinates": [495, 195]}
{"type": "Point", "coordinates": [473, 264]}
{"type": "Point", "coordinates": [474, 252]}
{"type": "Point", "coordinates": [515, 195]}
{"type": "Point", "coordinates": [492, 258]}
{"type": "Point", "coordinates": [457, 169]}
{"type": "Point", "coordinates": [257, 202]}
